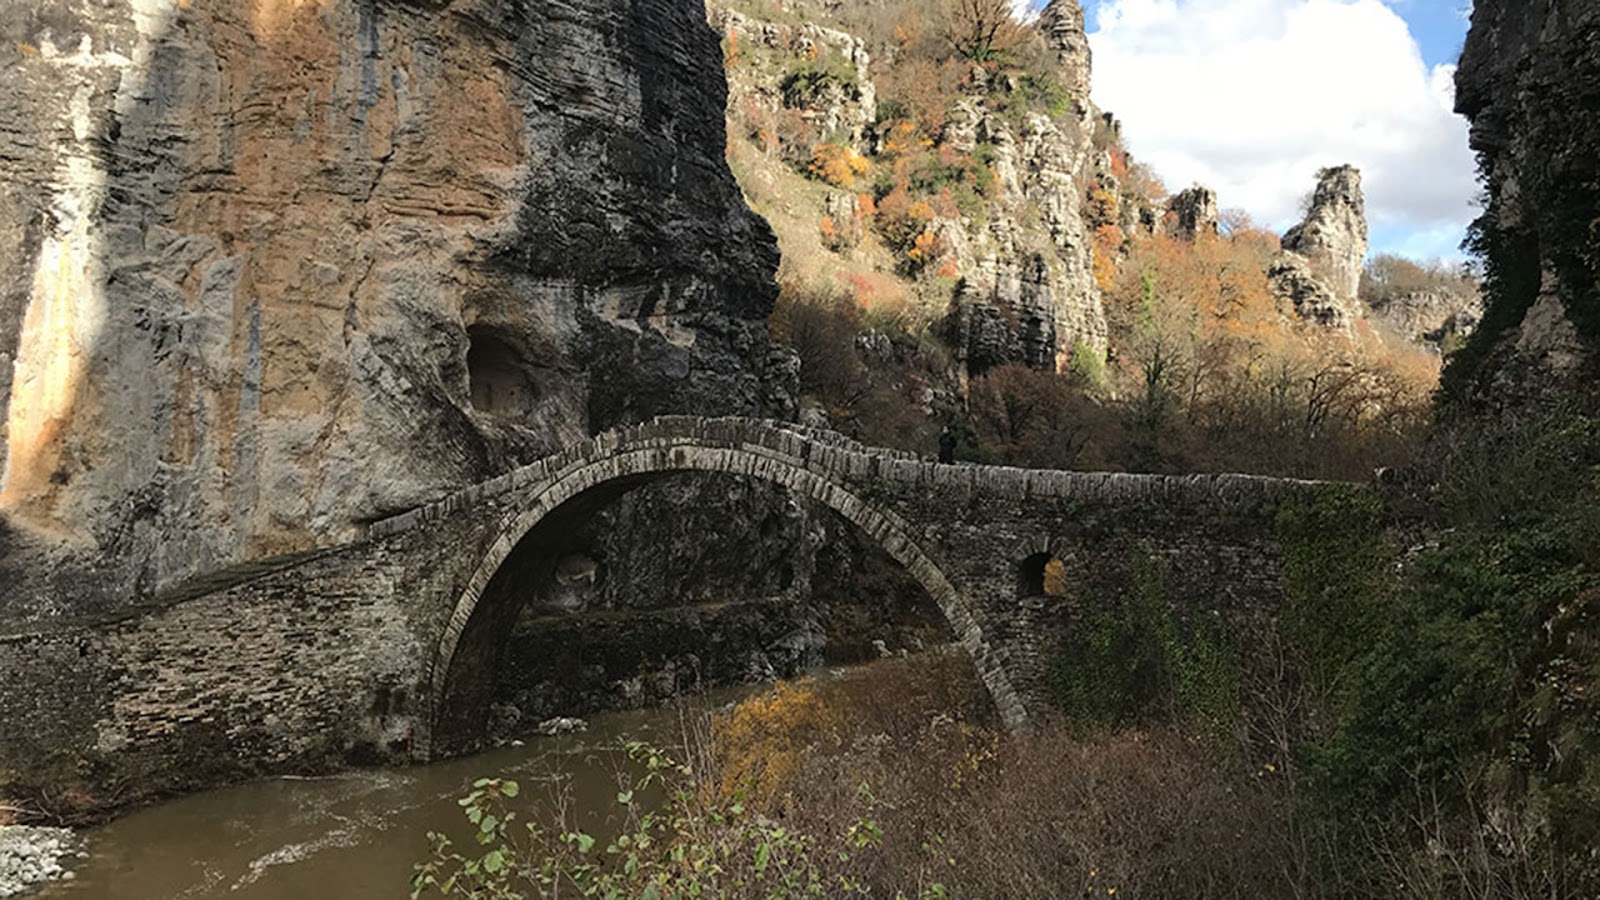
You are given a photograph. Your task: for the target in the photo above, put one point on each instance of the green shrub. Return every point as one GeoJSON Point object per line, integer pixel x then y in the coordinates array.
{"type": "Point", "coordinates": [1462, 684]}
{"type": "Point", "coordinates": [691, 844]}
{"type": "Point", "coordinates": [1087, 365]}
{"type": "Point", "coordinates": [1037, 93]}
{"type": "Point", "coordinates": [812, 80]}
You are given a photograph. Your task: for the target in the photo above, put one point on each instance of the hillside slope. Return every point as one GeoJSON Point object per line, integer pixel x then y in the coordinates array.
{"type": "Point", "coordinates": [951, 206]}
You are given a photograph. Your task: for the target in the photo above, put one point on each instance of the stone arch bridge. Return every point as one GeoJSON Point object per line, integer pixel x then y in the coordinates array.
{"type": "Point", "coordinates": [384, 648]}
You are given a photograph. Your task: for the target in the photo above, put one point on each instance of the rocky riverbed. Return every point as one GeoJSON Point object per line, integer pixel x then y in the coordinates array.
{"type": "Point", "coordinates": [32, 856]}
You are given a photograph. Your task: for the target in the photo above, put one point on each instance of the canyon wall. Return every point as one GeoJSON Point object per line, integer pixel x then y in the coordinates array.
{"type": "Point", "coordinates": [272, 270]}
{"type": "Point", "coordinates": [1003, 216]}
{"type": "Point", "coordinates": [1529, 81]}
{"type": "Point", "coordinates": [1317, 275]}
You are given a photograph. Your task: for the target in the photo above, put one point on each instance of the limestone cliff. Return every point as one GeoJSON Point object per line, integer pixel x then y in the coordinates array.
{"type": "Point", "coordinates": [276, 269]}
{"type": "Point", "coordinates": [1043, 283]}
{"type": "Point", "coordinates": [1318, 273]}
{"type": "Point", "coordinates": [1001, 235]}
{"type": "Point", "coordinates": [1062, 23]}
{"type": "Point", "coordinates": [1333, 234]}
{"type": "Point", "coordinates": [1196, 212]}
{"type": "Point", "coordinates": [1030, 261]}
{"type": "Point", "coordinates": [1529, 81]}
{"type": "Point", "coordinates": [1437, 317]}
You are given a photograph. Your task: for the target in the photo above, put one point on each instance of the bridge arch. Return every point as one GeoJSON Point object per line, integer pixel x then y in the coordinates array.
{"type": "Point", "coordinates": [609, 466]}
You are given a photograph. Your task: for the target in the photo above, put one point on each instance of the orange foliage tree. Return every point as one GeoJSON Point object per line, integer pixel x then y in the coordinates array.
{"type": "Point", "coordinates": [1107, 244]}
{"type": "Point", "coordinates": [838, 165]}
{"type": "Point", "coordinates": [1215, 376]}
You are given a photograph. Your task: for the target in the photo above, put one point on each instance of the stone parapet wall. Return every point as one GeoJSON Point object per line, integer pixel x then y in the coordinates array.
{"type": "Point", "coordinates": [829, 453]}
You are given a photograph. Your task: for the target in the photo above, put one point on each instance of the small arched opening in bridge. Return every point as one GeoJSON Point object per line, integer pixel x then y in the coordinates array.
{"type": "Point", "coordinates": [1042, 575]}
{"type": "Point", "coordinates": [538, 542]}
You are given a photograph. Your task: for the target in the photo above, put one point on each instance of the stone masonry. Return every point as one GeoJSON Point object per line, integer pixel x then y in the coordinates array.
{"type": "Point", "coordinates": [383, 649]}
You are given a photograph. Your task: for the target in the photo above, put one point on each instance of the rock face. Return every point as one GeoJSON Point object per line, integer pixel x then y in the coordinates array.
{"type": "Point", "coordinates": [835, 93]}
{"type": "Point", "coordinates": [1433, 317]}
{"type": "Point", "coordinates": [1196, 212]}
{"type": "Point", "coordinates": [1022, 255]}
{"type": "Point", "coordinates": [1062, 23]}
{"type": "Point", "coordinates": [1306, 293]}
{"type": "Point", "coordinates": [1029, 293]}
{"type": "Point", "coordinates": [273, 270]}
{"type": "Point", "coordinates": [1529, 81]}
{"type": "Point", "coordinates": [707, 555]}
{"type": "Point", "coordinates": [1318, 273]}
{"type": "Point", "coordinates": [566, 665]}
{"type": "Point", "coordinates": [1333, 235]}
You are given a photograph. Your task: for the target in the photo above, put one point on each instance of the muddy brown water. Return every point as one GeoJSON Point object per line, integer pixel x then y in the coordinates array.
{"type": "Point", "coordinates": [347, 837]}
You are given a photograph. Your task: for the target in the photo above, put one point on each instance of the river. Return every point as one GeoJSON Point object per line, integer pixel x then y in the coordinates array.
{"type": "Point", "coordinates": [346, 837]}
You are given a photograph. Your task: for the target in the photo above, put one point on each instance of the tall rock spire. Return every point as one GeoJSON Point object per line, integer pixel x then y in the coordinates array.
{"type": "Point", "coordinates": [1062, 25]}
{"type": "Point", "coordinates": [1334, 233]}
{"type": "Point", "coordinates": [1319, 268]}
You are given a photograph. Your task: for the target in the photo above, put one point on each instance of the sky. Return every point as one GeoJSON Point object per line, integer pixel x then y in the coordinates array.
{"type": "Point", "coordinates": [1252, 97]}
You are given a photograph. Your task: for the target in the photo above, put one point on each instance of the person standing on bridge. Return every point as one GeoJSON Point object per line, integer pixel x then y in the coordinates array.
{"type": "Point", "coordinates": [947, 445]}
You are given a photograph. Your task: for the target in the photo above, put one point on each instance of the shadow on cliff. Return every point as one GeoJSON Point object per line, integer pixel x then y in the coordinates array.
{"type": "Point", "coordinates": [78, 197]}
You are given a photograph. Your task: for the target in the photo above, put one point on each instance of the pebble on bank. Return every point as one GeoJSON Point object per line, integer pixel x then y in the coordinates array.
{"type": "Point", "coordinates": [32, 856]}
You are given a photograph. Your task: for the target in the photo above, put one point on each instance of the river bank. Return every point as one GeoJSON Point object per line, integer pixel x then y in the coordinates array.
{"type": "Point", "coordinates": [354, 835]}
{"type": "Point", "coordinates": [32, 856]}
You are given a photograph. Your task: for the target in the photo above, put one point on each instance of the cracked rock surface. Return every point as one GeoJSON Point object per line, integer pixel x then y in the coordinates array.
{"type": "Point", "coordinates": [270, 271]}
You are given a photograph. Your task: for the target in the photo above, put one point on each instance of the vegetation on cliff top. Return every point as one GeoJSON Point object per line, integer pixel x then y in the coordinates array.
{"type": "Point", "coordinates": [1204, 372]}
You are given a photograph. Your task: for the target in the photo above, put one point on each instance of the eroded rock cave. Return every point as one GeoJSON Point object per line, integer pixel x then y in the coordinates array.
{"type": "Point", "coordinates": [500, 377]}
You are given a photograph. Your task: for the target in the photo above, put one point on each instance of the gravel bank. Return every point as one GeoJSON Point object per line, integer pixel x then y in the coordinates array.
{"type": "Point", "coordinates": [31, 856]}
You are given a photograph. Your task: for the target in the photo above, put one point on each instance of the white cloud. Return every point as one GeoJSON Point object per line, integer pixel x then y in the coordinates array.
{"type": "Point", "coordinates": [1251, 97]}
{"type": "Point", "coordinates": [1025, 10]}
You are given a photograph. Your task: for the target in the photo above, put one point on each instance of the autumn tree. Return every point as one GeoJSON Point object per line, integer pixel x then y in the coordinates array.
{"type": "Point", "coordinates": [1388, 277]}
{"type": "Point", "coordinates": [1030, 418]}
{"type": "Point", "coordinates": [822, 329]}
{"type": "Point", "coordinates": [838, 164]}
{"type": "Point", "coordinates": [982, 30]}
{"type": "Point", "coordinates": [1212, 376]}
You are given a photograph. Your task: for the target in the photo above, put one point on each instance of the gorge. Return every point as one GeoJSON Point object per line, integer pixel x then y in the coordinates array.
{"type": "Point", "coordinates": [382, 377]}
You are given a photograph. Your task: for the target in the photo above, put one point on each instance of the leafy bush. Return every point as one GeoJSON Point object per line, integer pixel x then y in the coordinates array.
{"type": "Point", "coordinates": [813, 80]}
{"type": "Point", "coordinates": [1087, 365]}
{"type": "Point", "coordinates": [1456, 697]}
{"type": "Point", "coordinates": [1041, 92]}
{"type": "Point", "coordinates": [762, 744]}
{"type": "Point", "coordinates": [838, 165]}
{"type": "Point", "coordinates": [685, 846]}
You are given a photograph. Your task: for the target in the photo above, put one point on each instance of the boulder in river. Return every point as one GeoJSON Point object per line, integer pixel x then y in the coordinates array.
{"type": "Point", "coordinates": [562, 725]}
